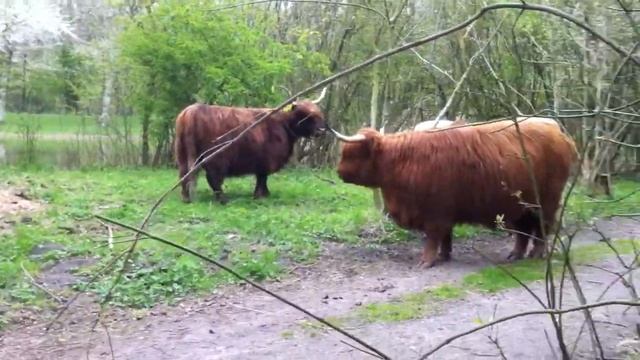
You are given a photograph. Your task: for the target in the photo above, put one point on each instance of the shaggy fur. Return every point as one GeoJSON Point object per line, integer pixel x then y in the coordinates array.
{"type": "Point", "coordinates": [429, 124]}
{"type": "Point", "coordinates": [432, 180]}
{"type": "Point", "coordinates": [264, 150]}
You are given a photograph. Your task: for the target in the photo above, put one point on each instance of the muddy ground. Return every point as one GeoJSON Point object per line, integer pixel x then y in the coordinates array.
{"type": "Point", "coordinates": [15, 202]}
{"type": "Point", "coordinates": [238, 322]}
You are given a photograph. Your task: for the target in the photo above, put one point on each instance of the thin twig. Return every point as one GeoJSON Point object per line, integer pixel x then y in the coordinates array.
{"type": "Point", "coordinates": [614, 200]}
{"type": "Point", "coordinates": [106, 330]}
{"type": "Point", "coordinates": [512, 276]}
{"type": "Point", "coordinates": [635, 146]}
{"type": "Point", "coordinates": [529, 313]}
{"type": "Point", "coordinates": [256, 2]}
{"type": "Point", "coordinates": [86, 285]}
{"type": "Point", "coordinates": [466, 72]}
{"type": "Point", "coordinates": [41, 287]}
{"type": "Point", "coordinates": [248, 281]}
{"type": "Point", "coordinates": [361, 350]}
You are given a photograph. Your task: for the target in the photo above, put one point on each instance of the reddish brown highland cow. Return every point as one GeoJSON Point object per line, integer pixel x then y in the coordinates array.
{"type": "Point", "coordinates": [262, 151]}
{"type": "Point", "coordinates": [432, 180]}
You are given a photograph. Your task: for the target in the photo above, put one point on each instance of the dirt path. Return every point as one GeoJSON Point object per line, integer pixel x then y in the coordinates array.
{"type": "Point", "coordinates": [241, 323]}
{"type": "Point", "coordinates": [14, 202]}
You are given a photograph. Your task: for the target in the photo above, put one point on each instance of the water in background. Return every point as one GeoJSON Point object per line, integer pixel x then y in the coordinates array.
{"type": "Point", "coordinates": [69, 153]}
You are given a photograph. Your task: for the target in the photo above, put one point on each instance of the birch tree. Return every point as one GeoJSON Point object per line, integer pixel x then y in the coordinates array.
{"type": "Point", "coordinates": [25, 25]}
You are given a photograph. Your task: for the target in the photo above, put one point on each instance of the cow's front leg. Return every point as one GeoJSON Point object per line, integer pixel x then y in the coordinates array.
{"type": "Point", "coordinates": [215, 182]}
{"type": "Point", "coordinates": [261, 189]}
{"type": "Point", "coordinates": [445, 247]}
{"type": "Point", "coordinates": [429, 251]}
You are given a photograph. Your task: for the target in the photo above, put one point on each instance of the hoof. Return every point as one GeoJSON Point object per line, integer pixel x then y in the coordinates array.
{"type": "Point", "coordinates": [221, 199]}
{"type": "Point", "coordinates": [536, 254]}
{"type": "Point", "coordinates": [514, 256]}
{"type": "Point", "coordinates": [260, 195]}
{"type": "Point", "coordinates": [444, 257]}
{"type": "Point", "coordinates": [427, 264]}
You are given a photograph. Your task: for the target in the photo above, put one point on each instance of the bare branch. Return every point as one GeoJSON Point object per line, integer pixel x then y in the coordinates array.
{"type": "Point", "coordinates": [529, 313]}
{"type": "Point", "coordinates": [635, 146]}
{"type": "Point", "coordinates": [360, 6]}
{"type": "Point", "coordinates": [41, 287]}
{"type": "Point", "coordinates": [248, 281]}
{"type": "Point", "coordinates": [466, 72]}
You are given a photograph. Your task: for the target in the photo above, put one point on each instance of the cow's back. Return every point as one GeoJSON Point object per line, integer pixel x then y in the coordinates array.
{"type": "Point", "coordinates": [471, 174]}
{"type": "Point", "coordinates": [261, 150]}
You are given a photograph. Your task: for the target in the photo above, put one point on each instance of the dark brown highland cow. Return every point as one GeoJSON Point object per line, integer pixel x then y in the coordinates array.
{"type": "Point", "coordinates": [262, 151]}
{"type": "Point", "coordinates": [432, 180]}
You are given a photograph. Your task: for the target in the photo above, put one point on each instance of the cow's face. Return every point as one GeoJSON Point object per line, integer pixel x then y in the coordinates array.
{"type": "Point", "coordinates": [358, 160]}
{"type": "Point", "coordinates": [307, 119]}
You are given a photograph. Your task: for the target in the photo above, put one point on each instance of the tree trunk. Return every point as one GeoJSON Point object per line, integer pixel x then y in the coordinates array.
{"type": "Point", "coordinates": [146, 121]}
{"type": "Point", "coordinates": [107, 91]}
{"type": "Point", "coordinates": [4, 83]}
{"type": "Point", "coordinates": [23, 95]}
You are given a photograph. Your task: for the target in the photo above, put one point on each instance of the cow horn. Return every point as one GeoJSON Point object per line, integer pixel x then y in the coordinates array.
{"type": "Point", "coordinates": [322, 94]}
{"type": "Point", "coordinates": [345, 138]}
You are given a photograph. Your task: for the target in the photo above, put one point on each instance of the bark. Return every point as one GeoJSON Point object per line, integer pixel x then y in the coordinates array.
{"type": "Point", "coordinates": [146, 121]}
{"type": "Point", "coordinates": [107, 91]}
{"type": "Point", "coordinates": [4, 82]}
{"type": "Point", "coordinates": [23, 95]}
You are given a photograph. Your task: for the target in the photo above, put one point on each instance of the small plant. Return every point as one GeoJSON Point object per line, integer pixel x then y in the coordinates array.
{"type": "Point", "coordinates": [29, 135]}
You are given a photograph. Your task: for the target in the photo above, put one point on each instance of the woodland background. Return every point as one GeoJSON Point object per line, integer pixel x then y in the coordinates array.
{"type": "Point", "coordinates": [127, 67]}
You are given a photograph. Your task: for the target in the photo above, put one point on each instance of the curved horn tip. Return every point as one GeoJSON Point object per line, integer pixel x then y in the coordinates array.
{"type": "Point", "coordinates": [345, 138]}
{"type": "Point", "coordinates": [322, 94]}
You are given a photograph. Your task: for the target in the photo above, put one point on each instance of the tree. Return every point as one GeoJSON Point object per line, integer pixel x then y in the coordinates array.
{"type": "Point", "coordinates": [71, 65]}
{"type": "Point", "coordinates": [179, 53]}
{"type": "Point", "coordinates": [26, 25]}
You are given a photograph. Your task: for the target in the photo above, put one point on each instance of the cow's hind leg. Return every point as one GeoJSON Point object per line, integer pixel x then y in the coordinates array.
{"type": "Point", "coordinates": [215, 182]}
{"type": "Point", "coordinates": [524, 229]}
{"type": "Point", "coordinates": [434, 236]}
{"type": "Point", "coordinates": [261, 189]}
{"type": "Point", "coordinates": [539, 249]}
{"type": "Point", "coordinates": [188, 184]}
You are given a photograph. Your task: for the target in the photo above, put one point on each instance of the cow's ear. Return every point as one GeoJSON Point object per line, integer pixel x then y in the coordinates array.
{"type": "Point", "coordinates": [289, 107]}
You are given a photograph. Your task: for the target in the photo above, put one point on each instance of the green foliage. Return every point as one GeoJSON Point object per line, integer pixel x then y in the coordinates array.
{"type": "Point", "coordinates": [259, 239]}
{"type": "Point", "coordinates": [584, 208]}
{"type": "Point", "coordinates": [72, 65]}
{"type": "Point", "coordinates": [181, 53]}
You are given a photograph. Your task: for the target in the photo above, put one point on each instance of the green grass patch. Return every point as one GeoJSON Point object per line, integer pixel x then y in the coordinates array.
{"type": "Point", "coordinates": [259, 238]}
{"type": "Point", "coordinates": [490, 279]}
{"type": "Point", "coordinates": [582, 207]}
{"type": "Point", "coordinates": [409, 307]}
{"type": "Point", "coordinates": [493, 279]}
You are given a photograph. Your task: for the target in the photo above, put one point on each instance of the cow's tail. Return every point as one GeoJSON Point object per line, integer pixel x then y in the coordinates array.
{"type": "Point", "coordinates": [185, 151]}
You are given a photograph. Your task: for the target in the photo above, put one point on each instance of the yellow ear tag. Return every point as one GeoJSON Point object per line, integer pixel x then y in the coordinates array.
{"type": "Point", "coordinates": [287, 108]}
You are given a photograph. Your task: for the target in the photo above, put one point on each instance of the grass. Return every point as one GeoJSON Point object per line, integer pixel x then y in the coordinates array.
{"type": "Point", "coordinates": [260, 239]}
{"type": "Point", "coordinates": [409, 306]}
{"type": "Point", "coordinates": [65, 124]}
{"type": "Point", "coordinates": [585, 208]}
